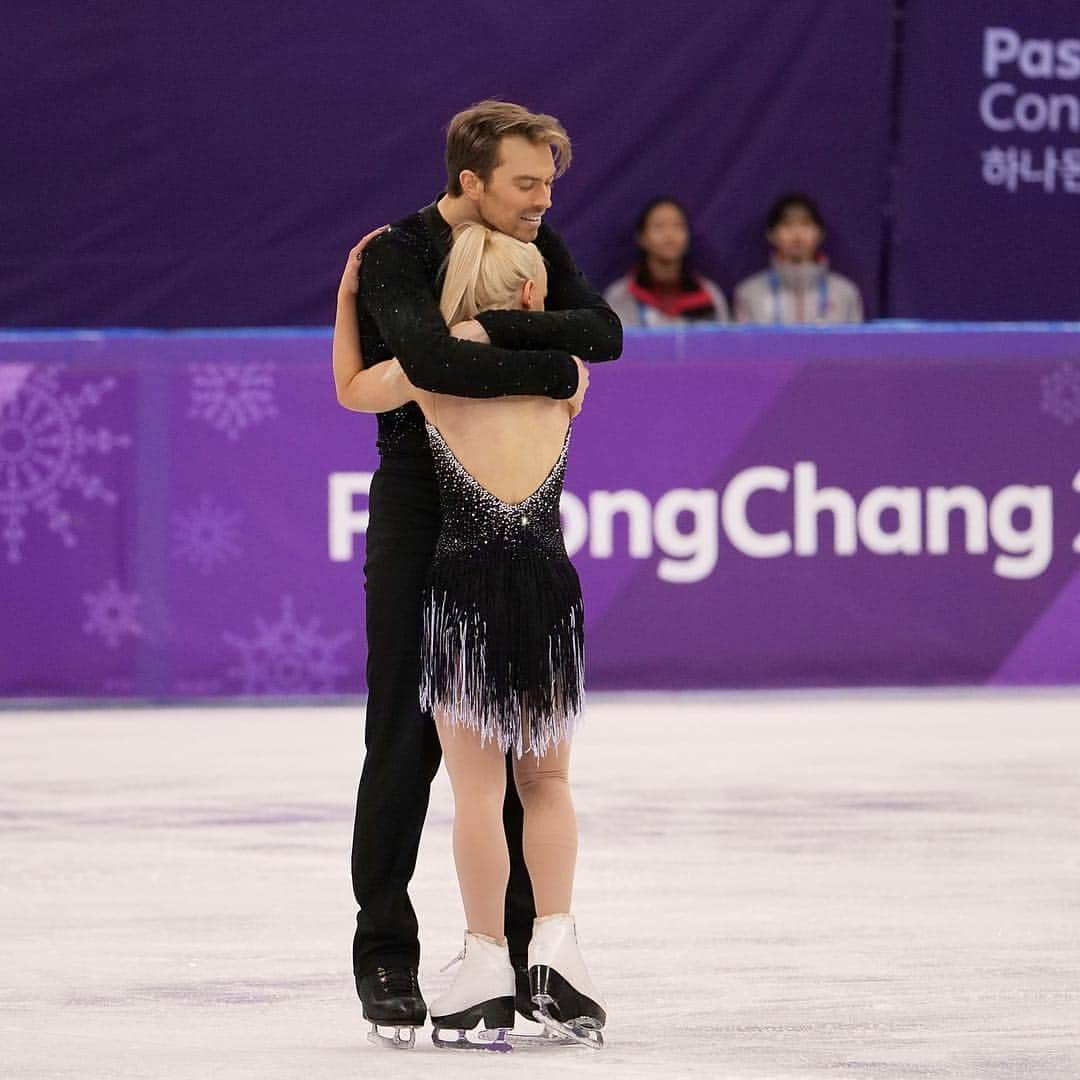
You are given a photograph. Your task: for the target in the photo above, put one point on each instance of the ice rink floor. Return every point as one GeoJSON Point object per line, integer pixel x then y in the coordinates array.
{"type": "Point", "coordinates": [819, 885]}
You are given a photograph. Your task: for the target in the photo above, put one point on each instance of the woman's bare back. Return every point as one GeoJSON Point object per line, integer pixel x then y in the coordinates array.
{"type": "Point", "coordinates": [508, 445]}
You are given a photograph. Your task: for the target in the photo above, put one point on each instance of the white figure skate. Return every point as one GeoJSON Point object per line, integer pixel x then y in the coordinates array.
{"type": "Point", "coordinates": [482, 991]}
{"type": "Point", "coordinates": [567, 1003]}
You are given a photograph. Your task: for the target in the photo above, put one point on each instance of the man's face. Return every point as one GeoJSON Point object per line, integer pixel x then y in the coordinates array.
{"type": "Point", "coordinates": [519, 189]}
{"type": "Point", "coordinates": [796, 238]}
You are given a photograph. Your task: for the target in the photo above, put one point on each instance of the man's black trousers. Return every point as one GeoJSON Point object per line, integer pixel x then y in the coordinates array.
{"type": "Point", "coordinates": [403, 752]}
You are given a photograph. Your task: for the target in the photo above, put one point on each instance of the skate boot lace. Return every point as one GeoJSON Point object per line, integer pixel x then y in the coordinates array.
{"type": "Point", "coordinates": [396, 981]}
{"type": "Point", "coordinates": [457, 960]}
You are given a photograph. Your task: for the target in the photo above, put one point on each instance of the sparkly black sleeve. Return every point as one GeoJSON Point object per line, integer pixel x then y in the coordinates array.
{"type": "Point", "coordinates": [396, 294]}
{"type": "Point", "coordinates": [577, 318]}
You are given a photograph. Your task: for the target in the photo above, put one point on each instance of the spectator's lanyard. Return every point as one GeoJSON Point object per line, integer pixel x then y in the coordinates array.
{"type": "Point", "coordinates": [822, 295]}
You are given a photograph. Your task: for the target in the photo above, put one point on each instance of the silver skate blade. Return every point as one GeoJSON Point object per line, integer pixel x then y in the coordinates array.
{"type": "Point", "coordinates": [395, 1041]}
{"type": "Point", "coordinates": [582, 1031]}
{"type": "Point", "coordinates": [530, 1040]}
{"type": "Point", "coordinates": [488, 1039]}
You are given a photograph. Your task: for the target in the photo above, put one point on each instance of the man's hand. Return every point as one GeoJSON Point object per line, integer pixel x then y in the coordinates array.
{"type": "Point", "coordinates": [574, 403]}
{"type": "Point", "coordinates": [470, 330]}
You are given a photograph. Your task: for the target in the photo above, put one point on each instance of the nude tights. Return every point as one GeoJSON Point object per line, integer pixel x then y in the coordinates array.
{"type": "Point", "coordinates": [478, 779]}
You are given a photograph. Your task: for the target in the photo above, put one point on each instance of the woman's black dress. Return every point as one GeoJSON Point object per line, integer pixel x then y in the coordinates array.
{"type": "Point", "coordinates": [502, 640]}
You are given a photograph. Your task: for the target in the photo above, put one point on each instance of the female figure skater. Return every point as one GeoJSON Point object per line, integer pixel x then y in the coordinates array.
{"type": "Point", "coordinates": [501, 651]}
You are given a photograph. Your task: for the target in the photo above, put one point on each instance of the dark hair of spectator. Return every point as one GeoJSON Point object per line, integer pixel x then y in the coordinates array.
{"type": "Point", "coordinates": [790, 202]}
{"type": "Point", "coordinates": [652, 204]}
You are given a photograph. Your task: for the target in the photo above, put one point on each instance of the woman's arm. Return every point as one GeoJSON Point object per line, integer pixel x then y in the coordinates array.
{"type": "Point", "coordinates": [375, 389]}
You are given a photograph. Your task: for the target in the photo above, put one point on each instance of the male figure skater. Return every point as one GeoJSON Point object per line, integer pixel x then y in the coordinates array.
{"type": "Point", "coordinates": [500, 170]}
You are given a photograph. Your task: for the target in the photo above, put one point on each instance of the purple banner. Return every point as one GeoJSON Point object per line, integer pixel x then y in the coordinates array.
{"type": "Point", "coordinates": [183, 515]}
{"type": "Point", "coordinates": [211, 165]}
{"type": "Point", "coordinates": [988, 179]}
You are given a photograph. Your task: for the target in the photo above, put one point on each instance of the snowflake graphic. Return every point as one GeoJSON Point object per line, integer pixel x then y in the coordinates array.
{"type": "Point", "coordinates": [43, 449]}
{"type": "Point", "coordinates": [232, 396]}
{"type": "Point", "coordinates": [1061, 393]}
{"type": "Point", "coordinates": [206, 535]}
{"type": "Point", "coordinates": [287, 658]}
{"type": "Point", "coordinates": [12, 378]}
{"type": "Point", "coordinates": [112, 614]}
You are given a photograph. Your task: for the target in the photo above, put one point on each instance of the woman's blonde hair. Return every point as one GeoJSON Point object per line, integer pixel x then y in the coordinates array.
{"type": "Point", "coordinates": [486, 270]}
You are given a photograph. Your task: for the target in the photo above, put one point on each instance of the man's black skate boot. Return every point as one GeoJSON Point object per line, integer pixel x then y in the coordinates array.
{"type": "Point", "coordinates": [391, 998]}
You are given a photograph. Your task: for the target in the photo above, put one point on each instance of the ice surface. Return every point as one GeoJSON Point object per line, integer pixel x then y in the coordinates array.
{"type": "Point", "coordinates": [817, 885]}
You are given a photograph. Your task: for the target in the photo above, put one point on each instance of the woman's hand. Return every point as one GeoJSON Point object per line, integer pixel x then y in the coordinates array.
{"type": "Point", "coordinates": [350, 277]}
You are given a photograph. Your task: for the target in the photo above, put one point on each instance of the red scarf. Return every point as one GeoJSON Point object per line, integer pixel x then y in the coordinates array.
{"type": "Point", "coordinates": [689, 296]}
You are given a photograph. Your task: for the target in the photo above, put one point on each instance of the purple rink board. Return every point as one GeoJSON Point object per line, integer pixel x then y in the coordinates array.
{"type": "Point", "coordinates": [182, 515]}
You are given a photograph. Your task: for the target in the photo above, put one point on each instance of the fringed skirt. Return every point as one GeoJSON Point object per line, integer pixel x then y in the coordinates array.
{"type": "Point", "coordinates": [502, 647]}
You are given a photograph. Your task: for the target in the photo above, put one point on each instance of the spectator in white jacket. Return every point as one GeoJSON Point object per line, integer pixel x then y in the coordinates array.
{"type": "Point", "coordinates": [662, 289]}
{"type": "Point", "coordinates": [798, 286]}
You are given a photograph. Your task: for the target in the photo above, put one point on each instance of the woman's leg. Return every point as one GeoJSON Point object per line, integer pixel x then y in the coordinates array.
{"type": "Point", "coordinates": [550, 833]}
{"type": "Point", "coordinates": [478, 778]}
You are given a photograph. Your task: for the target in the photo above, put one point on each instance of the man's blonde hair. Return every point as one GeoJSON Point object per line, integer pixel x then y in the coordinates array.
{"type": "Point", "coordinates": [472, 139]}
{"type": "Point", "coordinates": [485, 272]}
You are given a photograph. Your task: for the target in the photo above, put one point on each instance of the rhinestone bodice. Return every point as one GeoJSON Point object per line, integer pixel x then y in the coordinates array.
{"type": "Point", "coordinates": [474, 519]}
